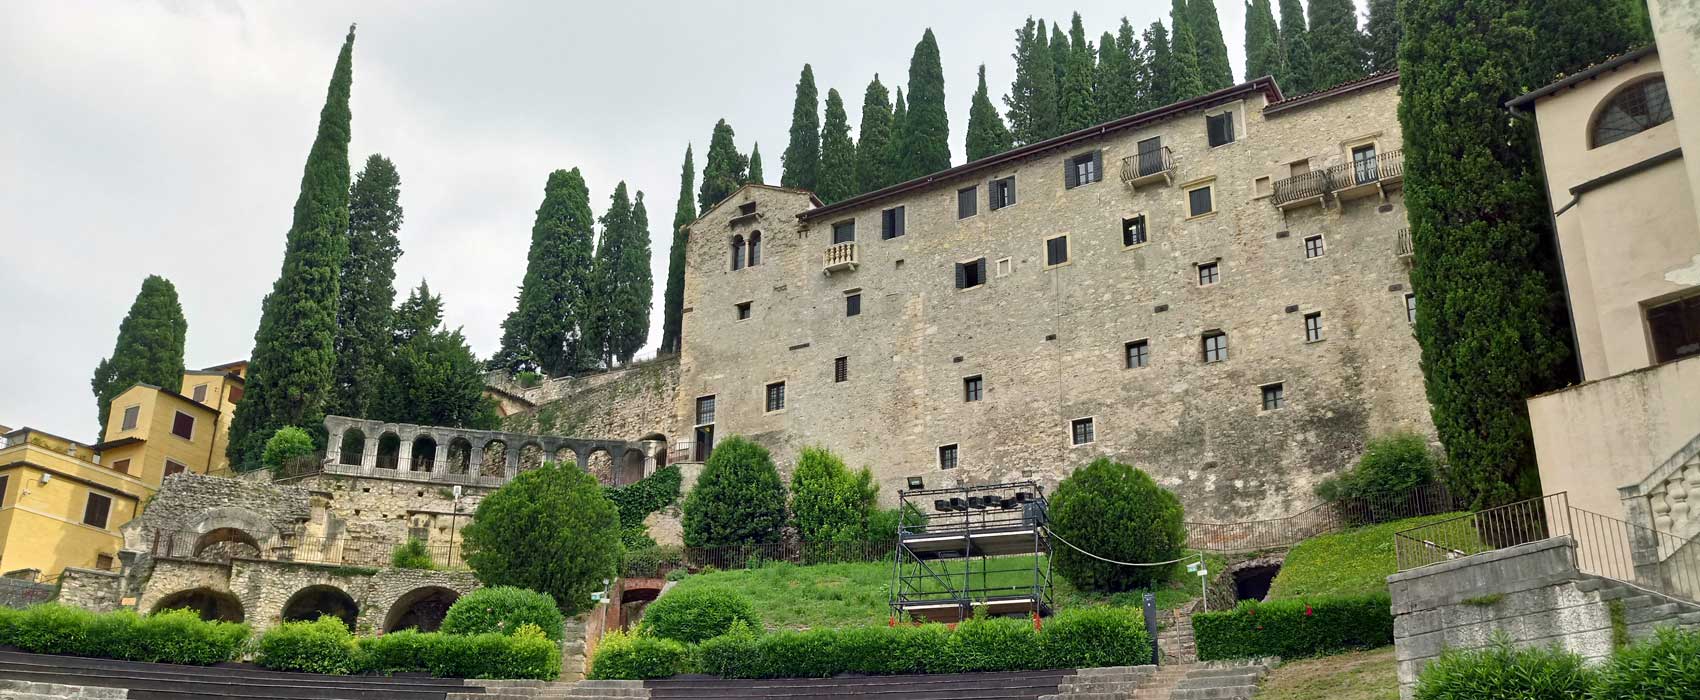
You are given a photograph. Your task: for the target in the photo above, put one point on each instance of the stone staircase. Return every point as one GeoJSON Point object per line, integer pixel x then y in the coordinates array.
{"type": "Point", "coordinates": [1110, 683]}
{"type": "Point", "coordinates": [1644, 610]}
{"type": "Point", "coordinates": [1175, 640]}
{"type": "Point", "coordinates": [26, 690]}
{"type": "Point", "coordinates": [559, 690]}
{"type": "Point", "coordinates": [1221, 681]}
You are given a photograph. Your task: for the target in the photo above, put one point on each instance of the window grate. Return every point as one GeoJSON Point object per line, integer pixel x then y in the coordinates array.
{"type": "Point", "coordinates": [775, 396]}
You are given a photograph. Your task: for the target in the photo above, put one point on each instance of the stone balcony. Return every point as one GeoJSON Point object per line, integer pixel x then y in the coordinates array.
{"type": "Point", "coordinates": [839, 256]}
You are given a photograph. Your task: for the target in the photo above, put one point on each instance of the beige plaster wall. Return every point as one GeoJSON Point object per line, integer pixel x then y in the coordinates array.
{"type": "Point", "coordinates": [1676, 29]}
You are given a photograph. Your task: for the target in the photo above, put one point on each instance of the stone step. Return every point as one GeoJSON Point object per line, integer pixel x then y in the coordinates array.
{"type": "Point", "coordinates": [1241, 692]}
{"type": "Point", "coordinates": [1653, 613]}
{"type": "Point", "coordinates": [29, 691]}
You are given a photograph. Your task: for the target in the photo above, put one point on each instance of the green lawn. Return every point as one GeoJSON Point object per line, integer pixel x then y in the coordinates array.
{"type": "Point", "coordinates": [1345, 563]}
{"type": "Point", "coordinates": [1362, 675]}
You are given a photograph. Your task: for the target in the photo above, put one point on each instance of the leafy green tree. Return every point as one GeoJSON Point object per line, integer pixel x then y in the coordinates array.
{"type": "Point", "coordinates": [987, 135]}
{"type": "Point", "coordinates": [695, 614]}
{"type": "Point", "coordinates": [724, 171]}
{"type": "Point", "coordinates": [1296, 57]}
{"type": "Point", "coordinates": [149, 348]}
{"type": "Point", "coordinates": [738, 499]}
{"type": "Point", "coordinates": [549, 530]}
{"type": "Point", "coordinates": [1186, 80]}
{"type": "Point", "coordinates": [802, 157]}
{"type": "Point", "coordinates": [1213, 68]}
{"type": "Point", "coordinates": [899, 138]}
{"type": "Point", "coordinates": [830, 503]}
{"type": "Point", "coordinates": [1262, 41]}
{"type": "Point", "coordinates": [673, 301]}
{"type": "Point", "coordinates": [412, 555]}
{"type": "Point", "coordinates": [503, 610]}
{"type": "Point", "coordinates": [420, 312]}
{"type": "Point", "coordinates": [1120, 88]}
{"type": "Point", "coordinates": [1076, 108]}
{"type": "Point", "coordinates": [292, 368]}
{"type": "Point", "coordinates": [550, 321]}
{"type": "Point", "coordinates": [1032, 98]}
{"type": "Point", "coordinates": [873, 140]}
{"type": "Point", "coordinates": [837, 180]}
{"type": "Point", "coordinates": [926, 133]}
{"type": "Point", "coordinates": [1381, 34]}
{"type": "Point", "coordinates": [1337, 47]}
{"type": "Point", "coordinates": [755, 166]}
{"type": "Point", "coordinates": [286, 446]}
{"type": "Point", "coordinates": [431, 377]}
{"type": "Point", "coordinates": [366, 290]}
{"type": "Point", "coordinates": [1118, 512]}
{"type": "Point", "coordinates": [1160, 65]}
{"type": "Point", "coordinates": [1389, 469]}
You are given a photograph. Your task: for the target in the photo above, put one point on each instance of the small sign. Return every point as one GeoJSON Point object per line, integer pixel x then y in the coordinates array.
{"type": "Point", "coordinates": [1203, 572]}
{"type": "Point", "coordinates": [1195, 566]}
{"type": "Point", "coordinates": [457, 490]}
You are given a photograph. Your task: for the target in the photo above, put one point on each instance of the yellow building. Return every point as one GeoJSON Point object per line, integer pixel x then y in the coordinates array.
{"type": "Point", "coordinates": [62, 502]}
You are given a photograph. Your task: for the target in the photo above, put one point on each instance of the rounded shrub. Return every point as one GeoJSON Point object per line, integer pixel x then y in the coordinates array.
{"type": "Point", "coordinates": [321, 646]}
{"type": "Point", "coordinates": [830, 503]}
{"type": "Point", "coordinates": [1116, 511]}
{"type": "Point", "coordinates": [738, 498]}
{"type": "Point", "coordinates": [285, 446]}
{"type": "Point", "coordinates": [551, 530]}
{"type": "Point", "coordinates": [990, 644]}
{"type": "Point", "coordinates": [1500, 671]}
{"type": "Point", "coordinates": [182, 637]}
{"type": "Point", "coordinates": [412, 555]}
{"type": "Point", "coordinates": [503, 610]}
{"type": "Point", "coordinates": [622, 656]}
{"type": "Point", "coordinates": [1664, 668]}
{"type": "Point", "coordinates": [1295, 628]}
{"type": "Point", "coordinates": [1092, 637]}
{"type": "Point", "coordinates": [730, 655]}
{"type": "Point", "coordinates": [1389, 469]}
{"type": "Point", "coordinates": [691, 616]}
{"type": "Point", "coordinates": [798, 654]}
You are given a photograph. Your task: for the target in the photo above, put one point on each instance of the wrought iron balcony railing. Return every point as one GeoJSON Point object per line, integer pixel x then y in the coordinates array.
{"type": "Point", "coordinates": [1317, 185]}
{"type": "Point", "coordinates": [1147, 166]}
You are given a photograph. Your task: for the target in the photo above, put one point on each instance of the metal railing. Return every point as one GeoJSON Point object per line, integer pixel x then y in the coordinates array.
{"type": "Point", "coordinates": [750, 556]}
{"type": "Point", "coordinates": [1319, 519]}
{"type": "Point", "coordinates": [348, 551]}
{"type": "Point", "coordinates": [1147, 164]}
{"type": "Point", "coordinates": [1404, 248]}
{"type": "Point", "coordinates": [1326, 181]}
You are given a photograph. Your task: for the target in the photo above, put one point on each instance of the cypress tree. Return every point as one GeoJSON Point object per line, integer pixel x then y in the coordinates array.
{"type": "Point", "coordinates": [623, 283]}
{"type": "Point", "coordinates": [725, 169]}
{"type": "Point", "coordinates": [801, 160]}
{"type": "Point", "coordinates": [1160, 65]}
{"type": "Point", "coordinates": [673, 301]}
{"type": "Point", "coordinates": [1076, 108]}
{"type": "Point", "coordinates": [551, 323]}
{"type": "Point", "coordinates": [1059, 48]}
{"type": "Point", "coordinates": [838, 153]}
{"type": "Point", "coordinates": [1213, 68]}
{"type": "Point", "coordinates": [602, 305]}
{"type": "Point", "coordinates": [899, 138]}
{"type": "Point", "coordinates": [755, 166]}
{"type": "Point", "coordinates": [987, 135]}
{"type": "Point", "coordinates": [637, 287]}
{"type": "Point", "coordinates": [1032, 98]}
{"type": "Point", "coordinates": [421, 312]}
{"type": "Point", "coordinates": [1296, 57]}
{"type": "Point", "coordinates": [1262, 41]}
{"type": "Point", "coordinates": [1121, 88]}
{"type": "Point", "coordinates": [1337, 47]}
{"type": "Point", "coordinates": [926, 135]}
{"type": "Point", "coordinates": [149, 348]}
{"type": "Point", "coordinates": [366, 289]}
{"type": "Point", "coordinates": [1187, 82]}
{"type": "Point", "coordinates": [292, 368]}
{"type": "Point", "coordinates": [1381, 34]}
{"type": "Point", "coordinates": [873, 140]}
{"type": "Point", "coordinates": [1573, 34]}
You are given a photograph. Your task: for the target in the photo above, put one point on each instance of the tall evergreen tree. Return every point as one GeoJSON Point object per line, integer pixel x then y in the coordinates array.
{"type": "Point", "coordinates": [987, 135]}
{"type": "Point", "coordinates": [620, 306]}
{"type": "Point", "coordinates": [873, 140]}
{"type": "Point", "coordinates": [926, 135]}
{"type": "Point", "coordinates": [1262, 41]}
{"type": "Point", "coordinates": [292, 368]}
{"type": "Point", "coordinates": [801, 159]}
{"type": "Point", "coordinates": [431, 376]}
{"type": "Point", "coordinates": [420, 312]}
{"type": "Point", "coordinates": [1296, 56]}
{"type": "Point", "coordinates": [1076, 108]}
{"type": "Point", "coordinates": [1160, 67]}
{"type": "Point", "coordinates": [755, 166]}
{"type": "Point", "coordinates": [1337, 47]}
{"type": "Point", "coordinates": [1381, 34]}
{"type": "Point", "coordinates": [1490, 309]}
{"type": "Point", "coordinates": [1213, 68]}
{"type": "Point", "coordinates": [1059, 48]}
{"type": "Point", "coordinates": [1120, 88]}
{"type": "Point", "coordinates": [899, 138]}
{"type": "Point", "coordinates": [549, 325]}
{"type": "Point", "coordinates": [1573, 34]}
{"type": "Point", "coordinates": [673, 300]}
{"type": "Point", "coordinates": [725, 170]}
{"type": "Point", "coordinates": [1183, 55]}
{"type": "Point", "coordinates": [601, 305]}
{"type": "Point", "coordinates": [1032, 98]}
{"type": "Point", "coordinates": [366, 289]}
{"type": "Point", "coordinates": [149, 348]}
{"type": "Point", "coordinates": [838, 153]}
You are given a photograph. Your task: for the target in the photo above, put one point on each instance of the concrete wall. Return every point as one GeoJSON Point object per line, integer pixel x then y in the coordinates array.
{"type": "Point", "coordinates": [1676, 29]}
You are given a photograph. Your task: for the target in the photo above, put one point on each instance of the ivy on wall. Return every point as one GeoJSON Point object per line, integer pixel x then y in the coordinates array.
{"type": "Point", "coordinates": [636, 501]}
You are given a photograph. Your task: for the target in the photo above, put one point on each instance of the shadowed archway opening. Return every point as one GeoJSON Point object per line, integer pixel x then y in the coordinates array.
{"type": "Point", "coordinates": [424, 453]}
{"type": "Point", "coordinates": [389, 450]}
{"type": "Point", "coordinates": [600, 464]}
{"type": "Point", "coordinates": [460, 455]}
{"type": "Point", "coordinates": [495, 459]}
{"type": "Point", "coordinates": [211, 605]}
{"type": "Point", "coordinates": [226, 542]}
{"type": "Point", "coordinates": [631, 468]}
{"type": "Point", "coordinates": [566, 457]}
{"type": "Point", "coordinates": [353, 447]}
{"type": "Point", "coordinates": [420, 609]}
{"type": "Point", "coordinates": [530, 456]}
{"type": "Point", "coordinates": [314, 602]}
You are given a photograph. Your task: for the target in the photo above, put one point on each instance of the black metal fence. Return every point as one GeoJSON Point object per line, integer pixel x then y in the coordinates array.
{"type": "Point", "coordinates": [1321, 519]}
{"type": "Point", "coordinates": [1325, 181]}
{"type": "Point", "coordinates": [749, 556]}
{"type": "Point", "coordinates": [224, 546]}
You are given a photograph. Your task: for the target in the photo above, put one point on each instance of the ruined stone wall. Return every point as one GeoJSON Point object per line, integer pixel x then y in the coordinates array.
{"type": "Point", "coordinates": [196, 502]}
{"type": "Point", "coordinates": [89, 589]}
{"type": "Point", "coordinates": [390, 510]}
{"type": "Point", "coordinates": [1049, 341]}
{"type": "Point", "coordinates": [632, 403]}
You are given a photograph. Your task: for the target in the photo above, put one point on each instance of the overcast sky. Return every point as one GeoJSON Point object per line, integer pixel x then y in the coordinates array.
{"type": "Point", "coordinates": [168, 138]}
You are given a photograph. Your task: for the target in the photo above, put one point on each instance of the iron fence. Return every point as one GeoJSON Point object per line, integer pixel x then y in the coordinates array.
{"type": "Point", "coordinates": [1321, 519]}
{"type": "Point", "coordinates": [225, 546]}
{"type": "Point", "coordinates": [1148, 163]}
{"type": "Point", "coordinates": [750, 556]}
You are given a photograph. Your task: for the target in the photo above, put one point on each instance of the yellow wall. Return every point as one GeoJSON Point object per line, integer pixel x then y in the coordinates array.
{"type": "Point", "coordinates": [41, 523]}
{"type": "Point", "coordinates": [157, 410]}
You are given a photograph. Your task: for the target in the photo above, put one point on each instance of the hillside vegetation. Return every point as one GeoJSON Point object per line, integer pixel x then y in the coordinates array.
{"type": "Point", "coordinates": [1345, 563]}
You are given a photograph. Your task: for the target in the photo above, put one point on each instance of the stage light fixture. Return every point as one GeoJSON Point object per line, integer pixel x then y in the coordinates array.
{"type": "Point", "coordinates": [958, 504]}
{"type": "Point", "coordinates": [916, 484]}
{"type": "Point", "coordinates": [941, 505]}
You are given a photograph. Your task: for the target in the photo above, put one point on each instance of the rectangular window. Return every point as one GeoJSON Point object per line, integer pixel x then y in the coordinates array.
{"type": "Point", "coordinates": [1221, 127]}
{"type": "Point", "coordinates": [1005, 266]}
{"type": "Point", "coordinates": [967, 202]}
{"type": "Point", "coordinates": [743, 310]}
{"type": "Point", "coordinates": [121, 465]}
{"type": "Point", "coordinates": [704, 429]}
{"type": "Point", "coordinates": [853, 304]}
{"type": "Point", "coordinates": [1313, 247]}
{"type": "Point", "coordinates": [775, 397]}
{"type": "Point", "coordinates": [1002, 192]}
{"type": "Point", "coordinates": [844, 232]}
{"type": "Point", "coordinates": [1083, 169]}
{"type": "Point", "coordinates": [841, 369]}
{"type": "Point", "coordinates": [183, 426]}
{"type": "Point", "coordinates": [130, 416]}
{"type": "Point", "coordinates": [1133, 230]}
{"type": "Point", "coordinates": [1208, 273]}
{"type": "Point", "coordinates": [747, 209]}
{"type": "Point", "coordinates": [1675, 328]}
{"type": "Point", "coordinates": [5, 479]}
{"type": "Point", "coordinates": [103, 562]}
{"type": "Point", "coordinates": [1138, 354]}
{"type": "Point", "coordinates": [1365, 168]}
{"type": "Point", "coordinates": [1056, 251]}
{"type": "Point", "coordinates": [947, 456]}
{"type": "Point", "coordinates": [96, 510]}
{"type": "Point", "coordinates": [1199, 202]}
{"type": "Point", "coordinates": [1313, 327]}
{"type": "Point", "coordinates": [1261, 187]}
{"type": "Point", "coordinates": [235, 394]}
{"type": "Point", "coordinates": [1215, 346]}
{"type": "Point", "coordinates": [971, 388]}
{"type": "Point", "coordinates": [1081, 431]}
{"type": "Point", "coordinates": [1410, 308]}
{"type": "Point", "coordinates": [1273, 397]}
{"type": "Point", "coordinates": [705, 410]}
{"type": "Point", "coordinates": [200, 395]}
{"type": "Point", "coordinates": [174, 467]}
{"type": "Point", "coordinates": [891, 223]}
{"type": "Point", "coordinates": [971, 274]}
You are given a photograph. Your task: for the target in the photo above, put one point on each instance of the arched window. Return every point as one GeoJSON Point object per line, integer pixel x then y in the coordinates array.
{"type": "Point", "coordinates": [755, 249]}
{"type": "Point", "coordinates": [737, 252]}
{"type": "Point", "coordinates": [1632, 110]}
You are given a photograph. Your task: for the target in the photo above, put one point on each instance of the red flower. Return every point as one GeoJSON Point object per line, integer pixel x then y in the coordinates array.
{"type": "Point", "coordinates": [1307, 610]}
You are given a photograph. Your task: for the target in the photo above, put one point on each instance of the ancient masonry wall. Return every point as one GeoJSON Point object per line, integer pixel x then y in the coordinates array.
{"type": "Point", "coordinates": [635, 403]}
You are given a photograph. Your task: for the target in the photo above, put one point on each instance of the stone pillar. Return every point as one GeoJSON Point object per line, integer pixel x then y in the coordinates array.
{"type": "Point", "coordinates": [475, 461]}
{"type": "Point", "coordinates": [333, 449]}
{"type": "Point", "coordinates": [582, 456]}
{"type": "Point", "coordinates": [369, 456]}
{"type": "Point", "coordinates": [404, 453]}
{"type": "Point", "coordinates": [511, 469]}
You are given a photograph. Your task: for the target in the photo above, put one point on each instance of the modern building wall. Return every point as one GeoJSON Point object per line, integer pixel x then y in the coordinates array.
{"type": "Point", "coordinates": [1049, 342]}
{"type": "Point", "coordinates": [1676, 30]}
{"type": "Point", "coordinates": [44, 505]}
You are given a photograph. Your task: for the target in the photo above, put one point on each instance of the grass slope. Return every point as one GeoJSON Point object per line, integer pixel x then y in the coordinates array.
{"type": "Point", "coordinates": [1360, 675]}
{"type": "Point", "coordinates": [1345, 563]}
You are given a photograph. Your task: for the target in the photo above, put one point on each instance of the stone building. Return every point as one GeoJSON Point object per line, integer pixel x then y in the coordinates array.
{"type": "Point", "coordinates": [1215, 291]}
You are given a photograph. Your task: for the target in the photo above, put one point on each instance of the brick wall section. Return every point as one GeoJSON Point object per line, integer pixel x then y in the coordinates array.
{"type": "Point", "coordinates": [17, 593]}
{"type": "Point", "coordinates": [1049, 342]}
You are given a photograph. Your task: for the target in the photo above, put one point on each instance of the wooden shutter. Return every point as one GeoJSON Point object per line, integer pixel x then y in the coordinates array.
{"type": "Point", "coordinates": [1009, 199]}
{"type": "Point", "coordinates": [1069, 179]}
{"type": "Point", "coordinates": [898, 215]}
{"type": "Point", "coordinates": [980, 269]}
{"type": "Point", "coordinates": [1098, 165]}
{"type": "Point", "coordinates": [961, 272]}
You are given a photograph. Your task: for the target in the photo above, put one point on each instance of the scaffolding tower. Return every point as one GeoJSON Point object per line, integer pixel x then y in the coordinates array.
{"type": "Point", "coordinates": [972, 547]}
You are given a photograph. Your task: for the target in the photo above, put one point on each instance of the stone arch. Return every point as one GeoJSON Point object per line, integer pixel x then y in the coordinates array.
{"type": "Point", "coordinates": [209, 604]}
{"type": "Point", "coordinates": [459, 456]}
{"type": "Point", "coordinates": [232, 524]}
{"type": "Point", "coordinates": [495, 458]}
{"type": "Point", "coordinates": [422, 609]}
{"type": "Point", "coordinates": [389, 450]}
{"type": "Point", "coordinates": [755, 249]}
{"type": "Point", "coordinates": [222, 543]}
{"type": "Point", "coordinates": [631, 467]}
{"type": "Point", "coordinates": [566, 456]}
{"type": "Point", "coordinates": [530, 456]}
{"type": "Point", "coordinates": [318, 600]}
{"type": "Point", "coordinates": [600, 464]}
{"type": "Point", "coordinates": [424, 457]}
{"type": "Point", "coordinates": [353, 450]}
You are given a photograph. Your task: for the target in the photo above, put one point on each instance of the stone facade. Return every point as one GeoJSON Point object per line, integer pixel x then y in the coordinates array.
{"type": "Point", "coordinates": [89, 589]}
{"type": "Point", "coordinates": [1050, 341]}
{"type": "Point", "coordinates": [631, 403]}
{"type": "Point", "coordinates": [450, 456]}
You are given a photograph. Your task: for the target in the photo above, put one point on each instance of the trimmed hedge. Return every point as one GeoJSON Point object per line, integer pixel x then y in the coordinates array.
{"type": "Point", "coordinates": [503, 610]}
{"type": "Point", "coordinates": [1295, 629]}
{"type": "Point", "coordinates": [627, 657]}
{"type": "Point", "coordinates": [693, 615]}
{"type": "Point", "coordinates": [326, 646]}
{"type": "Point", "coordinates": [321, 646]}
{"type": "Point", "coordinates": [171, 636]}
{"type": "Point", "coordinates": [1502, 672]}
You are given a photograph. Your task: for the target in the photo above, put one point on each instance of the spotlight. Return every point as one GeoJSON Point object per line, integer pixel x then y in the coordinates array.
{"type": "Point", "coordinates": [941, 505]}
{"type": "Point", "coordinates": [958, 504]}
{"type": "Point", "coordinates": [1023, 496]}
{"type": "Point", "coordinates": [977, 502]}
{"type": "Point", "coordinates": [1007, 503]}
{"type": "Point", "coordinates": [915, 483]}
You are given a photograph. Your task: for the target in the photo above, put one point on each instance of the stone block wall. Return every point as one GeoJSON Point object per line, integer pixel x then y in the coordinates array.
{"type": "Point", "coordinates": [632, 403]}
{"type": "Point", "coordinates": [190, 502]}
{"type": "Point", "coordinates": [19, 593]}
{"type": "Point", "coordinates": [90, 589]}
